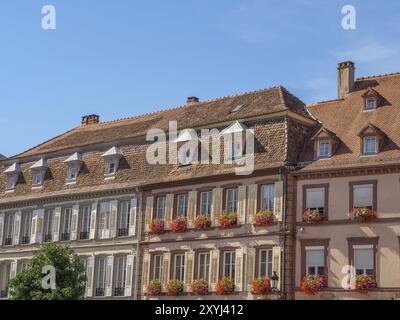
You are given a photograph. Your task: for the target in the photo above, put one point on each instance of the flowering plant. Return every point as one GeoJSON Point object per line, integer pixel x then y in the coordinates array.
{"type": "Point", "coordinates": [157, 226]}
{"type": "Point", "coordinates": [261, 286]}
{"type": "Point", "coordinates": [154, 288]}
{"type": "Point", "coordinates": [364, 213]}
{"type": "Point", "coordinates": [227, 219]}
{"type": "Point", "coordinates": [200, 287]}
{"type": "Point", "coordinates": [175, 288]}
{"type": "Point", "coordinates": [311, 284]}
{"type": "Point", "coordinates": [365, 283]}
{"type": "Point", "coordinates": [264, 218]}
{"type": "Point", "coordinates": [225, 286]}
{"type": "Point", "coordinates": [313, 216]}
{"type": "Point", "coordinates": [178, 225]}
{"type": "Point", "coordinates": [202, 222]}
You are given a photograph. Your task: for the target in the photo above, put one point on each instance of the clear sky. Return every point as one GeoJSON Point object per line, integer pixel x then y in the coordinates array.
{"type": "Point", "coordinates": [119, 58]}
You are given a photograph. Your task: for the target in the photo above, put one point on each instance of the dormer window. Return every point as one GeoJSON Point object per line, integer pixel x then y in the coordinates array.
{"type": "Point", "coordinates": [72, 173]}
{"type": "Point", "coordinates": [111, 168]}
{"type": "Point", "coordinates": [12, 181]}
{"type": "Point", "coordinates": [325, 143]}
{"type": "Point", "coordinates": [370, 104]}
{"type": "Point", "coordinates": [371, 99]}
{"type": "Point", "coordinates": [38, 172]}
{"type": "Point", "coordinates": [187, 144]}
{"type": "Point", "coordinates": [111, 162]}
{"type": "Point", "coordinates": [369, 145]}
{"type": "Point", "coordinates": [12, 173]}
{"type": "Point", "coordinates": [38, 178]}
{"type": "Point", "coordinates": [324, 149]}
{"type": "Point", "coordinates": [74, 164]}
{"type": "Point", "coordinates": [372, 140]}
{"type": "Point", "coordinates": [235, 135]}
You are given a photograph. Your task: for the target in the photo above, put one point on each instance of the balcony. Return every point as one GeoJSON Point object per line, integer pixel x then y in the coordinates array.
{"type": "Point", "coordinates": [123, 232]}
{"type": "Point", "coordinates": [25, 239]}
{"type": "Point", "coordinates": [8, 241]}
{"type": "Point", "coordinates": [100, 292]}
{"type": "Point", "coordinates": [48, 238]}
{"type": "Point", "coordinates": [3, 294]}
{"type": "Point", "coordinates": [119, 292]}
{"type": "Point", "coordinates": [65, 236]}
{"type": "Point", "coordinates": [84, 235]}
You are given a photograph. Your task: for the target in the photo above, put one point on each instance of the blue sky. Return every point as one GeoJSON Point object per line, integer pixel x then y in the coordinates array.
{"type": "Point", "coordinates": [124, 57]}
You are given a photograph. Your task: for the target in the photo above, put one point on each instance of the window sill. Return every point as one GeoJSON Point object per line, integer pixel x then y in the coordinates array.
{"type": "Point", "coordinates": [37, 187]}
{"type": "Point", "coordinates": [10, 191]}
{"type": "Point", "coordinates": [368, 155]}
{"type": "Point", "coordinates": [369, 110]}
{"type": "Point", "coordinates": [70, 182]}
{"type": "Point", "coordinates": [109, 177]}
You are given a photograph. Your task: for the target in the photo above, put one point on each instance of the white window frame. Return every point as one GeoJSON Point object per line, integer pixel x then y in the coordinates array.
{"type": "Point", "coordinates": [101, 273]}
{"type": "Point", "coordinates": [86, 215]}
{"type": "Point", "coordinates": [232, 199]}
{"type": "Point", "coordinates": [206, 202]}
{"type": "Point", "coordinates": [203, 267]}
{"type": "Point", "coordinates": [73, 172]}
{"type": "Point", "coordinates": [371, 186]}
{"type": "Point", "coordinates": [320, 249]}
{"type": "Point", "coordinates": [38, 178]}
{"type": "Point", "coordinates": [368, 139]}
{"type": "Point", "coordinates": [26, 224]}
{"type": "Point", "coordinates": [229, 261]}
{"type": "Point", "coordinates": [160, 209]}
{"type": "Point", "coordinates": [267, 263]}
{"type": "Point", "coordinates": [267, 197]}
{"type": "Point", "coordinates": [104, 217]}
{"type": "Point", "coordinates": [308, 206]}
{"type": "Point", "coordinates": [124, 214]}
{"type": "Point", "coordinates": [158, 266]}
{"type": "Point", "coordinates": [369, 100]}
{"type": "Point", "coordinates": [66, 221]}
{"type": "Point", "coordinates": [364, 271]}
{"type": "Point", "coordinates": [12, 181]}
{"type": "Point", "coordinates": [179, 267]}
{"type": "Point", "coordinates": [48, 220]}
{"type": "Point", "coordinates": [182, 207]}
{"type": "Point", "coordinates": [120, 272]}
{"type": "Point", "coordinates": [327, 148]}
{"type": "Point", "coordinates": [10, 226]}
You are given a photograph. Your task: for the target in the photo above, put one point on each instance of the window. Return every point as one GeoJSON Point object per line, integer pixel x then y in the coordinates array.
{"type": "Point", "coordinates": [120, 277]}
{"type": "Point", "coordinates": [186, 157]}
{"type": "Point", "coordinates": [26, 227]}
{"type": "Point", "coordinates": [265, 263]}
{"type": "Point", "coordinates": [324, 149]}
{"type": "Point", "coordinates": [231, 200]}
{"type": "Point", "coordinates": [111, 168]}
{"type": "Point", "coordinates": [364, 259]}
{"type": "Point", "coordinates": [73, 172]}
{"type": "Point", "coordinates": [124, 218]}
{"type": "Point", "coordinates": [85, 227]}
{"type": "Point", "coordinates": [160, 208]}
{"type": "Point", "coordinates": [48, 225]}
{"type": "Point", "coordinates": [315, 261]}
{"type": "Point", "coordinates": [205, 202]}
{"type": "Point", "coordinates": [237, 149]}
{"type": "Point", "coordinates": [158, 267]}
{"type": "Point", "coordinates": [229, 264]}
{"type": "Point", "coordinates": [23, 266]}
{"type": "Point", "coordinates": [10, 230]}
{"type": "Point", "coordinates": [101, 277]}
{"type": "Point", "coordinates": [179, 267]}
{"type": "Point", "coordinates": [203, 266]}
{"type": "Point", "coordinates": [315, 199]}
{"type": "Point", "coordinates": [363, 196]}
{"type": "Point", "coordinates": [104, 221]}
{"type": "Point", "coordinates": [38, 178]}
{"type": "Point", "coordinates": [12, 181]}
{"type": "Point", "coordinates": [182, 203]}
{"type": "Point", "coordinates": [369, 145]}
{"type": "Point", "coordinates": [66, 225]}
{"type": "Point", "coordinates": [370, 103]}
{"type": "Point", "coordinates": [267, 197]}
{"type": "Point", "coordinates": [5, 270]}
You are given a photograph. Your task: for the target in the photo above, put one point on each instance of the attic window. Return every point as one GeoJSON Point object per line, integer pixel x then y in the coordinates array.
{"type": "Point", "coordinates": [111, 159]}
{"type": "Point", "coordinates": [371, 99]}
{"type": "Point", "coordinates": [237, 108]}
{"type": "Point", "coordinates": [324, 149]}
{"type": "Point", "coordinates": [38, 172]}
{"type": "Point", "coordinates": [370, 103]}
{"type": "Point", "coordinates": [74, 164]}
{"type": "Point", "coordinates": [369, 145]}
{"type": "Point", "coordinates": [325, 143]}
{"type": "Point", "coordinates": [372, 140]}
{"type": "Point", "coordinates": [12, 173]}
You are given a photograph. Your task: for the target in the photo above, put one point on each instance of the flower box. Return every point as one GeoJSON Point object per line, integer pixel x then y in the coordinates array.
{"type": "Point", "coordinates": [261, 286]}
{"type": "Point", "coordinates": [264, 218]}
{"type": "Point", "coordinates": [200, 287]}
{"type": "Point", "coordinates": [227, 220]}
{"type": "Point", "coordinates": [202, 222]}
{"type": "Point", "coordinates": [178, 225]}
{"type": "Point", "coordinates": [157, 227]}
{"type": "Point", "coordinates": [363, 213]}
{"type": "Point", "coordinates": [154, 288]}
{"type": "Point", "coordinates": [311, 284]}
{"type": "Point", "coordinates": [225, 287]}
{"type": "Point", "coordinates": [365, 283]}
{"type": "Point", "coordinates": [313, 216]}
{"type": "Point", "coordinates": [175, 288]}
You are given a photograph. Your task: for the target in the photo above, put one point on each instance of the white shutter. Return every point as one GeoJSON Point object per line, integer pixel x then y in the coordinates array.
{"type": "Point", "coordinates": [363, 195]}
{"type": "Point", "coordinates": [169, 209]}
{"type": "Point", "coordinates": [214, 269]}
{"type": "Point", "coordinates": [109, 275]}
{"type": "Point", "coordinates": [192, 207]}
{"type": "Point", "coordinates": [13, 269]}
{"type": "Point", "coordinates": [250, 268]}
{"type": "Point", "coordinates": [130, 265]}
{"type": "Point", "coordinates": [252, 203]}
{"type": "Point", "coordinates": [276, 263]}
{"type": "Point", "coordinates": [1, 227]}
{"type": "Point", "coordinates": [149, 212]}
{"type": "Point", "coordinates": [166, 269]}
{"type": "Point", "coordinates": [39, 226]}
{"type": "Point", "coordinates": [216, 208]}
{"type": "Point", "coordinates": [315, 198]}
{"type": "Point", "coordinates": [189, 269]}
{"type": "Point", "coordinates": [17, 227]}
{"type": "Point", "coordinates": [278, 203]}
{"type": "Point", "coordinates": [145, 271]}
{"type": "Point", "coordinates": [74, 222]}
{"type": "Point", "coordinates": [89, 276]}
{"type": "Point", "coordinates": [93, 219]}
{"type": "Point", "coordinates": [56, 224]}
{"type": "Point", "coordinates": [241, 214]}
{"type": "Point", "coordinates": [34, 226]}
{"type": "Point", "coordinates": [239, 270]}
{"type": "Point", "coordinates": [113, 218]}
{"type": "Point", "coordinates": [133, 217]}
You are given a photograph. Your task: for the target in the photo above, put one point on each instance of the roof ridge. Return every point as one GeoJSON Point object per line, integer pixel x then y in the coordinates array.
{"type": "Point", "coordinates": [378, 76]}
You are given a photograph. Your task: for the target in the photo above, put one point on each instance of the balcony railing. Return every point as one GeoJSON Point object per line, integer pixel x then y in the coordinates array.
{"type": "Point", "coordinates": [65, 236]}
{"type": "Point", "coordinates": [8, 241]}
{"type": "Point", "coordinates": [100, 292]}
{"type": "Point", "coordinates": [48, 238]}
{"type": "Point", "coordinates": [84, 235]}
{"type": "Point", "coordinates": [25, 239]}
{"type": "Point", "coordinates": [123, 232]}
{"type": "Point", "coordinates": [3, 294]}
{"type": "Point", "coordinates": [119, 292]}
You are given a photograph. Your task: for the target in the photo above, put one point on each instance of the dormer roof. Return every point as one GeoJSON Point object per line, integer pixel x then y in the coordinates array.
{"type": "Point", "coordinates": [186, 135]}
{"type": "Point", "coordinates": [14, 168]}
{"type": "Point", "coordinates": [40, 164]}
{"type": "Point", "coordinates": [113, 152]}
{"type": "Point", "coordinates": [235, 127]}
{"type": "Point", "coordinates": [75, 158]}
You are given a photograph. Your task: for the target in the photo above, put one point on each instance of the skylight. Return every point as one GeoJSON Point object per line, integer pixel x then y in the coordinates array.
{"type": "Point", "coordinates": [237, 108]}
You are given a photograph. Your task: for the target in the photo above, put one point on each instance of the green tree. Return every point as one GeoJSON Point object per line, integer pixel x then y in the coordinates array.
{"type": "Point", "coordinates": [70, 279]}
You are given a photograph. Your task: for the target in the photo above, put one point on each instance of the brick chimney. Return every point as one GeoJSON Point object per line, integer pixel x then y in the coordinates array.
{"type": "Point", "coordinates": [192, 100]}
{"type": "Point", "coordinates": [345, 78]}
{"type": "Point", "coordinates": [90, 119]}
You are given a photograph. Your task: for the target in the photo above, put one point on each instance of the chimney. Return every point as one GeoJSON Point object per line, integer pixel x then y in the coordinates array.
{"type": "Point", "coordinates": [345, 78]}
{"type": "Point", "coordinates": [90, 119]}
{"type": "Point", "coordinates": [192, 100]}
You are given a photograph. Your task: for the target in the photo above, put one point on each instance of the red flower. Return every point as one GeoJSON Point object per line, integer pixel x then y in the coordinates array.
{"type": "Point", "coordinates": [227, 219]}
{"type": "Point", "coordinates": [178, 225]}
{"type": "Point", "coordinates": [157, 226]}
{"type": "Point", "coordinates": [200, 287]}
{"type": "Point", "coordinates": [365, 283]}
{"type": "Point", "coordinates": [175, 288]}
{"type": "Point", "coordinates": [154, 288]}
{"type": "Point", "coordinates": [312, 284]}
{"type": "Point", "coordinates": [202, 222]}
{"type": "Point", "coordinates": [261, 286]}
{"type": "Point", "coordinates": [363, 213]}
{"type": "Point", "coordinates": [264, 218]}
{"type": "Point", "coordinates": [313, 216]}
{"type": "Point", "coordinates": [225, 287]}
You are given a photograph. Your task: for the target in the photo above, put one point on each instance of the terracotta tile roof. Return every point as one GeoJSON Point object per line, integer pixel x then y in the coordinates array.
{"type": "Point", "coordinates": [345, 118]}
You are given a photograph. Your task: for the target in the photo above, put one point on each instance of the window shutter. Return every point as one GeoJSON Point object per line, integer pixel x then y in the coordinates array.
{"type": "Point", "coordinates": [56, 225]}
{"type": "Point", "coordinates": [189, 269]}
{"type": "Point", "coordinates": [192, 207]}
{"type": "Point", "coordinates": [34, 226]}
{"type": "Point", "coordinates": [278, 203]}
{"type": "Point", "coordinates": [145, 271]}
{"type": "Point", "coordinates": [13, 269]}
{"type": "Point", "coordinates": [214, 266]}
{"type": "Point", "coordinates": [241, 214]}
{"type": "Point", "coordinates": [17, 227]}
{"type": "Point", "coordinates": [89, 276]}
{"type": "Point", "coordinates": [129, 275]}
{"type": "Point", "coordinates": [252, 202]}
{"type": "Point", "coordinates": [250, 268]}
{"type": "Point", "coordinates": [133, 217]}
{"type": "Point", "coordinates": [149, 212]}
{"type": "Point", "coordinates": [113, 218]}
{"type": "Point", "coordinates": [169, 209]}
{"type": "Point", "coordinates": [109, 276]}
{"type": "Point", "coordinates": [74, 222]}
{"type": "Point", "coordinates": [39, 226]}
{"type": "Point", "coordinates": [166, 269]}
{"type": "Point", "coordinates": [1, 228]}
{"type": "Point", "coordinates": [216, 208]}
{"type": "Point", "coordinates": [276, 263]}
{"type": "Point", "coordinates": [93, 218]}
{"type": "Point", "coordinates": [239, 270]}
